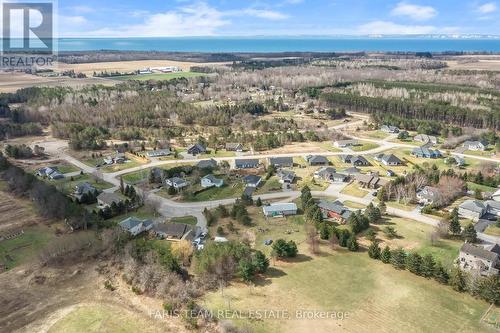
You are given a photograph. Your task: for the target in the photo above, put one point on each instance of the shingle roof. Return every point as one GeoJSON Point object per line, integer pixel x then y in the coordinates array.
{"type": "Point", "coordinates": [279, 207]}
{"type": "Point", "coordinates": [473, 205]}
{"type": "Point", "coordinates": [211, 163]}
{"type": "Point", "coordinates": [281, 160]}
{"type": "Point", "coordinates": [251, 179]}
{"type": "Point", "coordinates": [109, 198]}
{"type": "Point", "coordinates": [313, 159]}
{"type": "Point", "coordinates": [478, 252]}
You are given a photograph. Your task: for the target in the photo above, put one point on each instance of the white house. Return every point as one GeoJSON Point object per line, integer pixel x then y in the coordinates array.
{"type": "Point", "coordinates": [176, 182]}
{"type": "Point", "coordinates": [474, 145]}
{"type": "Point", "coordinates": [424, 138]}
{"type": "Point", "coordinates": [280, 209]}
{"type": "Point", "coordinates": [211, 181]}
{"type": "Point", "coordinates": [345, 143]}
{"type": "Point", "coordinates": [484, 260]}
{"type": "Point", "coordinates": [428, 195]}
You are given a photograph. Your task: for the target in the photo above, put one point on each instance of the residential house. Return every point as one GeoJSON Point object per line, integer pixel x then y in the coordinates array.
{"type": "Point", "coordinates": [475, 145]}
{"type": "Point", "coordinates": [158, 152]}
{"type": "Point", "coordinates": [82, 189]}
{"type": "Point", "coordinates": [317, 160]}
{"type": "Point", "coordinates": [372, 181]}
{"type": "Point", "coordinates": [335, 210]}
{"type": "Point", "coordinates": [246, 163]}
{"type": "Point", "coordinates": [352, 171]}
{"type": "Point", "coordinates": [248, 191]}
{"type": "Point", "coordinates": [475, 258]}
{"type": "Point", "coordinates": [359, 161]}
{"type": "Point", "coordinates": [472, 209]}
{"type": "Point", "coordinates": [426, 139]}
{"type": "Point", "coordinates": [197, 149]}
{"type": "Point", "coordinates": [345, 143]}
{"type": "Point", "coordinates": [211, 181]}
{"type": "Point", "coordinates": [280, 209]}
{"type": "Point", "coordinates": [330, 174]}
{"type": "Point", "coordinates": [172, 230]}
{"type": "Point", "coordinates": [49, 172]}
{"type": "Point", "coordinates": [388, 159]}
{"type": "Point", "coordinates": [389, 129]}
{"type": "Point", "coordinates": [177, 183]}
{"type": "Point", "coordinates": [390, 173]}
{"type": "Point", "coordinates": [456, 160]}
{"type": "Point", "coordinates": [346, 158]}
{"type": "Point", "coordinates": [237, 147]}
{"type": "Point", "coordinates": [106, 199]}
{"type": "Point", "coordinates": [428, 195]}
{"type": "Point", "coordinates": [252, 180]}
{"type": "Point", "coordinates": [425, 152]}
{"type": "Point", "coordinates": [286, 176]}
{"type": "Point", "coordinates": [281, 162]}
{"type": "Point", "coordinates": [207, 164]}
{"type": "Point", "coordinates": [134, 226]}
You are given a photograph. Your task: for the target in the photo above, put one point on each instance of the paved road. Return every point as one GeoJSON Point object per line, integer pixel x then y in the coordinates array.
{"type": "Point", "coordinates": [169, 208]}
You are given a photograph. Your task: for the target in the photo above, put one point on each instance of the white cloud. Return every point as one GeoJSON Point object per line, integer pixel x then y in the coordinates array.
{"type": "Point", "coordinates": [260, 13]}
{"type": "Point", "coordinates": [391, 28]}
{"type": "Point", "coordinates": [415, 12]}
{"type": "Point", "coordinates": [487, 8]}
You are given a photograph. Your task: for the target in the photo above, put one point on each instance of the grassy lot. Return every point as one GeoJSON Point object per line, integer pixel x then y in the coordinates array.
{"type": "Point", "coordinates": [20, 250]}
{"type": "Point", "coordinates": [328, 146]}
{"type": "Point", "coordinates": [377, 134]}
{"type": "Point", "coordinates": [401, 206]}
{"type": "Point", "coordinates": [365, 146]}
{"type": "Point", "coordinates": [271, 185]}
{"type": "Point", "coordinates": [231, 189]}
{"type": "Point", "coordinates": [483, 188]}
{"type": "Point", "coordinates": [158, 77]}
{"type": "Point", "coordinates": [354, 190]}
{"type": "Point", "coordinates": [136, 177]}
{"type": "Point", "coordinates": [104, 318]}
{"type": "Point", "coordinates": [354, 205]}
{"type": "Point", "coordinates": [67, 168]}
{"type": "Point", "coordinates": [492, 230]}
{"type": "Point", "coordinates": [67, 185]}
{"type": "Point", "coordinates": [376, 297]}
{"type": "Point", "coordinates": [487, 153]}
{"type": "Point", "coordinates": [185, 219]}
{"type": "Point", "coordinates": [119, 167]}
{"type": "Point", "coordinates": [218, 153]}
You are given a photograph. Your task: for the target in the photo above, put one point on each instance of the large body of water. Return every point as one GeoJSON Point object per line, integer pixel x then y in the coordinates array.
{"type": "Point", "coordinates": [276, 44]}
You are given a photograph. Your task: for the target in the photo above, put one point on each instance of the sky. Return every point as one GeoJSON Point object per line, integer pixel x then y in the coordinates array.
{"type": "Point", "coordinates": [156, 18]}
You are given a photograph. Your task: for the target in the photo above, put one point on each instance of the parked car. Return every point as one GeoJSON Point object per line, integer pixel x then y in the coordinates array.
{"type": "Point", "coordinates": [268, 242]}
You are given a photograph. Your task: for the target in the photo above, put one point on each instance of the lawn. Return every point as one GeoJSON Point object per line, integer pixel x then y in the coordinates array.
{"type": "Point", "coordinates": [67, 185]}
{"type": "Point", "coordinates": [119, 167]}
{"type": "Point", "coordinates": [185, 219]}
{"type": "Point", "coordinates": [377, 134]}
{"type": "Point", "coordinates": [105, 318]}
{"type": "Point", "coordinates": [271, 185]}
{"type": "Point", "coordinates": [363, 146]}
{"type": "Point", "coordinates": [375, 296]}
{"type": "Point", "coordinates": [227, 191]}
{"type": "Point", "coordinates": [483, 188]}
{"type": "Point", "coordinates": [354, 205]}
{"type": "Point", "coordinates": [66, 168]}
{"type": "Point", "coordinates": [492, 230]}
{"type": "Point", "coordinates": [218, 153]}
{"type": "Point", "coordinates": [398, 205]}
{"type": "Point", "coordinates": [354, 190]}
{"type": "Point", "coordinates": [136, 177]}
{"type": "Point", "coordinates": [20, 250]}
{"type": "Point", "coordinates": [328, 146]}
{"type": "Point", "coordinates": [143, 213]}
{"type": "Point", "coordinates": [158, 77]}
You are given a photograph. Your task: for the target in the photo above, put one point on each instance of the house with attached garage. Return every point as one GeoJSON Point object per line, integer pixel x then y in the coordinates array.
{"type": "Point", "coordinates": [330, 174]}
{"type": "Point", "coordinates": [84, 189]}
{"type": "Point", "coordinates": [281, 162]}
{"type": "Point", "coordinates": [484, 260]}
{"type": "Point", "coordinates": [345, 143]}
{"type": "Point", "coordinates": [134, 226]}
{"type": "Point", "coordinates": [173, 231]}
{"type": "Point", "coordinates": [211, 181]}
{"type": "Point", "coordinates": [158, 152]}
{"type": "Point", "coordinates": [176, 182]}
{"type": "Point", "coordinates": [197, 149]}
{"type": "Point", "coordinates": [252, 180]}
{"type": "Point", "coordinates": [372, 181]}
{"type": "Point", "coordinates": [280, 209]}
{"type": "Point", "coordinates": [317, 160]}
{"type": "Point", "coordinates": [207, 164]}
{"type": "Point", "coordinates": [475, 145]}
{"type": "Point", "coordinates": [354, 160]}
{"type": "Point", "coordinates": [424, 152]}
{"type": "Point", "coordinates": [286, 176]}
{"type": "Point", "coordinates": [428, 195]}
{"type": "Point", "coordinates": [231, 146]}
{"type": "Point", "coordinates": [426, 139]}
{"type": "Point", "coordinates": [107, 199]}
{"type": "Point", "coordinates": [335, 210]}
{"type": "Point", "coordinates": [246, 163]}
{"type": "Point", "coordinates": [389, 129]}
{"type": "Point", "coordinates": [50, 173]}
{"type": "Point", "coordinates": [388, 159]}
{"type": "Point", "coordinates": [472, 209]}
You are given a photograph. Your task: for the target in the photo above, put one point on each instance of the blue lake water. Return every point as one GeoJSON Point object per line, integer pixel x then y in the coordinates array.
{"type": "Point", "coordinates": [279, 44]}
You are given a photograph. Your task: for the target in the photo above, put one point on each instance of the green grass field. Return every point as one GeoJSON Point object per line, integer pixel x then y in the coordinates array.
{"type": "Point", "coordinates": [377, 297]}
{"type": "Point", "coordinates": [271, 185]}
{"type": "Point", "coordinates": [354, 190]}
{"type": "Point", "coordinates": [158, 77]}
{"type": "Point", "coordinates": [22, 249]}
{"type": "Point", "coordinates": [185, 219]}
{"type": "Point", "coordinates": [67, 185]}
{"type": "Point", "coordinates": [363, 146]}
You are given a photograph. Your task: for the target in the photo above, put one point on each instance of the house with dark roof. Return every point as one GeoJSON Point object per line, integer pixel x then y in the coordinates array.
{"type": "Point", "coordinates": [207, 164]}
{"type": "Point", "coordinates": [176, 182]}
{"type": "Point", "coordinates": [472, 209]}
{"type": "Point", "coordinates": [425, 152]}
{"type": "Point", "coordinates": [335, 210]}
{"type": "Point", "coordinates": [281, 162]}
{"type": "Point", "coordinates": [352, 171]}
{"type": "Point", "coordinates": [232, 146]}
{"type": "Point", "coordinates": [286, 176]}
{"type": "Point", "coordinates": [211, 181]}
{"type": "Point", "coordinates": [317, 160]}
{"type": "Point", "coordinates": [197, 149]}
{"type": "Point", "coordinates": [372, 181]}
{"type": "Point", "coordinates": [106, 199]}
{"type": "Point", "coordinates": [252, 163]}
{"type": "Point", "coordinates": [49, 172]}
{"type": "Point", "coordinates": [172, 230]}
{"type": "Point", "coordinates": [134, 226]}
{"type": "Point", "coordinates": [252, 180]}
{"type": "Point", "coordinates": [359, 161]}
{"type": "Point", "coordinates": [483, 260]}
{"type": "Point", "coordinates": [248, 191]}
{"type": "Point", "coordinates": [388, 159]}
{"type": "Point", "coordinates": [330, 174]}
{"type": "Point", "coordinates": [389, 129]}
{"type": "Point", "coordinates": [82, 189]}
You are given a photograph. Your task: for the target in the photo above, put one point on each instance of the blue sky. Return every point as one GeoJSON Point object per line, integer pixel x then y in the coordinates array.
{"type": "Point", "coordinates": [154, 18]}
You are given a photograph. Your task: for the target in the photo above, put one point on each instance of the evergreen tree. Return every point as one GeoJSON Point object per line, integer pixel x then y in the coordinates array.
{"type": "Point", "coordinates": [428, 266]}
{"type": "Point", "coordinates": [440, 274]}
{"type": "Point", "coordinates": [398, 258]}
{"type": "Point", "coordinates": [258, 202]}
{"type": "Point", "coordinates": [122, 187]}
{"type": "Point", "coordinates": [414, 263]}
{"type": "Point", "coordinates": [489, 289]}
{"type": "Point", "coordinates": [382, 207]}
{"type": "Point", "coordinates": [457, 280]}
{"type": "Point", "coordinates": [469, 233]}
{"type": "Point", "coordinates": [454, 225]}
{"type": "Point", "coordinates": [246, 270]}
{"type": "Point", "coordinates": [385, 256]}
{"type": "Point", "coordinates": [324, 231]}
{"type": "Point", "coordinates": [260, 262]}
{"type": "Point", "coordinates": [374, 250]}
{"type": "Point", "coordinates": [352, 244]}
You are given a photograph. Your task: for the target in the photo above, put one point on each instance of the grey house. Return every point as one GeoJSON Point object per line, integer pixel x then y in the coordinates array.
{"type": "Point", "coordinates": [246, 163]}
{"type": "Point", "coordinates": [197, 149]}
{"type": "Point", "coordinates": [317, 160]}
{"type": "Point", "coordinates": [484, 260]}
{"type": "Point", "coordinates": [281, 162]}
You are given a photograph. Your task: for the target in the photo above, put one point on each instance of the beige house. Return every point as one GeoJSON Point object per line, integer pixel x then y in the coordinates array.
{"type": "Point", "coordinates": [483, 260]}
